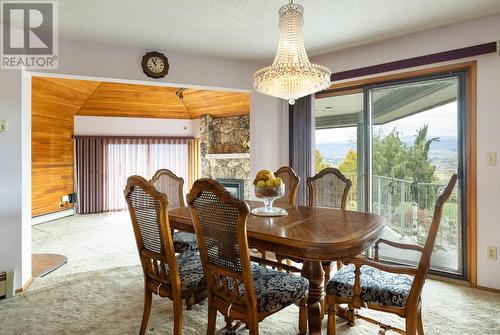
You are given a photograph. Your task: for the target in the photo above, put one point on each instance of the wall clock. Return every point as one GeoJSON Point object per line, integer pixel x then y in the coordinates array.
{"type": "Point", "coordinates": [155, 64]}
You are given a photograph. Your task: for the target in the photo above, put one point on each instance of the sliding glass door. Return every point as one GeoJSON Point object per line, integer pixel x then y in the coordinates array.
{"type": "Point", "coordinates": [340, 124]}
{"type": "Point", "coordinates": [400, 143]}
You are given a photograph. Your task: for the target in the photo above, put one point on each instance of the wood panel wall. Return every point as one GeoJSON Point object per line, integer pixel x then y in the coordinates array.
{"type": "Point", "coordinates": [54, 104]}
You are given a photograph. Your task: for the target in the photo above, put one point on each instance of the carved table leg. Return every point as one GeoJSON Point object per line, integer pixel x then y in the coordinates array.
{"type": "Point", "coordinates": [313, 271]}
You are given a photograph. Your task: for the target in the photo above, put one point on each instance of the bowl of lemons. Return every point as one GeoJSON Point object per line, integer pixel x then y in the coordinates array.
{"type": "Point", "coordinates": [268, 188]}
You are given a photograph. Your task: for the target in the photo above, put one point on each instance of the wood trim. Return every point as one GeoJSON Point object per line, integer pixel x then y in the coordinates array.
{"type": "Point", "coordinates": [25, 286]}
{"type": "Point", "coordinates": [488, 289]}
{"type": "Point", "coordinates": [321, 95]}
{"type": "Point", "coordinates": [190, 164]}
{"type": "Point", "coordinates": [434, 58]}
{"type": "Point", "coordinates": [470, 69]}
{"type": "Point", "coordinates": [359, 83]}
{"type": "Point", "coordinates": [450, 280]}
{"type": "Point", "coordinates": [471, 168]}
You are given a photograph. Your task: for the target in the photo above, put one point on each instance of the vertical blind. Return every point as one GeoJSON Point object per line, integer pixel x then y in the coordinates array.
{"type": "Point", "coordinates": [89, 165]}
{"type": "Point", "coordinates": [112, 160]}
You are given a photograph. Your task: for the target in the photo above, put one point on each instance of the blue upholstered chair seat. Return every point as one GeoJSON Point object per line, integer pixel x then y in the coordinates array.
{"type": "Point", "coordinates": [377, 286]}
{"type": "Point", "coordinates": [276, 290]}
{"type": "Point", "coordinates": [184, 241]}
{"type": "Point", "coordinates": [190, 270]}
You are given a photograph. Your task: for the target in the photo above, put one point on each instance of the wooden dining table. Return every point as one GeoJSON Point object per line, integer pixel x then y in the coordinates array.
{"type": "Point", "coordinates": [314, 234]}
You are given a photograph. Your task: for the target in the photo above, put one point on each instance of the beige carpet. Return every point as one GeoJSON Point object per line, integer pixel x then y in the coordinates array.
{"type": "Point", "coordinates": [110, 302]}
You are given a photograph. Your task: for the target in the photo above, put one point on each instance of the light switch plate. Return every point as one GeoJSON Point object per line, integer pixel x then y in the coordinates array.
{"type": "Point", "coordinates": [3, 125]}
{"type": "Point", "coordinates": [491, 158]}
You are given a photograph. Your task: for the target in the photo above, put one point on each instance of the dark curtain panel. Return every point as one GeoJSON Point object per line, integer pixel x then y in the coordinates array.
{"type": "Point", "coordinates": [89, 154]}
{"type": "Point", "coordinates": [300, 142]}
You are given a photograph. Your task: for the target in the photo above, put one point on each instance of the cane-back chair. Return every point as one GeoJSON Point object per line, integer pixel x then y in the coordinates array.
{"type": "Point", "coordinates": [291, 181]}
{"type": "Point", "coordinates": [328, 188]}
{"type": "Point", "coordinates": [236, 288]}
{"type": "Point", "coordinates": [388, 288]}
{"type": "Point", "coordinates": [165, 274]}
{"type": "Point", "coordinates": [167, 182]}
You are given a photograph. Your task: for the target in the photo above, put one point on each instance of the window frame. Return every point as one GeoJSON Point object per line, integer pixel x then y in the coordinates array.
{"type": "Point", "coordinates": [467, 146]}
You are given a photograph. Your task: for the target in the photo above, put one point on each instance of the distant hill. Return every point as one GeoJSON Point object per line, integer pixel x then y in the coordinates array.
{"type": "Point", "coordinates": [445, 149]}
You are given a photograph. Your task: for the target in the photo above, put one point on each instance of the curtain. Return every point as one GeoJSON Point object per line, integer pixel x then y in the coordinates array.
{"type": "Point", "coordinates": [143, 157]}
{"type": "Point", "coordinates": [301, 151]}
{"type": "Point", "coordinates": [122, 157]}
{"type": "Point", "coordinates": [89, 163]}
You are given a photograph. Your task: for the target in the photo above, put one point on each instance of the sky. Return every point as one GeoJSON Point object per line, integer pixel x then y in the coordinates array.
{"type": "Point", "coordinates": [442, 122]}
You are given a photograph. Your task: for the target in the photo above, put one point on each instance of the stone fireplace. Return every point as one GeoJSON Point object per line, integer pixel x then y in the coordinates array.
{"type": "Point", "coordinates": [225, 152]}
{"type": "Point", "coordinates": [235, 186]}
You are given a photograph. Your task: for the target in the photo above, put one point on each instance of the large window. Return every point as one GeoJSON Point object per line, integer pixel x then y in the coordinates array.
{"type": "Point", "coordinates": [407, 138]}
{"type": "Point", "coordinates": [103, 165]}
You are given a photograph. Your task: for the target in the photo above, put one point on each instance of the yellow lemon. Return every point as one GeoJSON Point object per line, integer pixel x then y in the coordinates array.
{"type": "Point", "coordinates": [270, 183]}
{"type": "Point", "coordinates": [261, 183]}
{"type": "Point", "coordinates": [277, 182]}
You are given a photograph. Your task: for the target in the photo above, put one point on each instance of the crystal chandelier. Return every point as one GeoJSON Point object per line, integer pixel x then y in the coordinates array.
{"type": "Point", "coordinates": [291, 76]}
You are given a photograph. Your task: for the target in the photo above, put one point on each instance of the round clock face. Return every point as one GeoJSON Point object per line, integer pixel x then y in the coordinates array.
{"type": "Point", "coordinates": [155, 64]}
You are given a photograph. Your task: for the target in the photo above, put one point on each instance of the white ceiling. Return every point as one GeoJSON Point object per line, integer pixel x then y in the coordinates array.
{"type": "Point", "coordinates": [248, 29]}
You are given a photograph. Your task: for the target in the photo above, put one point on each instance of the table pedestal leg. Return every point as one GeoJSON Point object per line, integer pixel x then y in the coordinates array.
{"type": "Point", "coordinates": [313, 271]}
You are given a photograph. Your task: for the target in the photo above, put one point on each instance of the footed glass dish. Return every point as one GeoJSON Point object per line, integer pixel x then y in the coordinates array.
{"type": "Point", "coordinates": [268, 194]}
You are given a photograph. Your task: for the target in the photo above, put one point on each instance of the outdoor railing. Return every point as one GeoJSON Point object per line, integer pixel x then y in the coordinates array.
{"type": "Point", "coordinates": [408, 209]}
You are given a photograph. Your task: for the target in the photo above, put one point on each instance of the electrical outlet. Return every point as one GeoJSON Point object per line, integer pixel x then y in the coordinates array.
{"type": "Point", "coordinates": [491, 253]}
{"type": "Point", "coordinates": [491, 158]}
{"type": "Point", "coordinates": [3, 125]}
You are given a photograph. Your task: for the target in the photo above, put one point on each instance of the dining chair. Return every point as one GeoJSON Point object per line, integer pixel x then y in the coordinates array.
{"type": "Point", "coordinates": [167, 182]}
{"type": "Point", "coordinates": [237, 288]}
{"type": "Point", "coordinates": [165, 274]}
{"type": "Point", "coordinates": [328, 188]}
{"type": "Point", "coordinates": [291, 181]}
{"type": "Point", "coordinates": [388, 288]}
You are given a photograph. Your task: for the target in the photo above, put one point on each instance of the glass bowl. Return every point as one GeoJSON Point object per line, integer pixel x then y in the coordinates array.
{"type": "Point", "coordinates": [268, 194]}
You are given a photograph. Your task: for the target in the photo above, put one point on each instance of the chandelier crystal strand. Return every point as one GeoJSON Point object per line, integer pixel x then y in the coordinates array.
{"type": "Point", "coordinates": [291, 76]}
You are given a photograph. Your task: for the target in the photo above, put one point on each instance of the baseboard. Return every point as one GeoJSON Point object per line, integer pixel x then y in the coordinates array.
{"type": "Point", "coordinates": [52, 216]}
{"type": "Point", "coordinates": [489, 289]}
{"type": "Point", "coordinates": [25, 286]}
